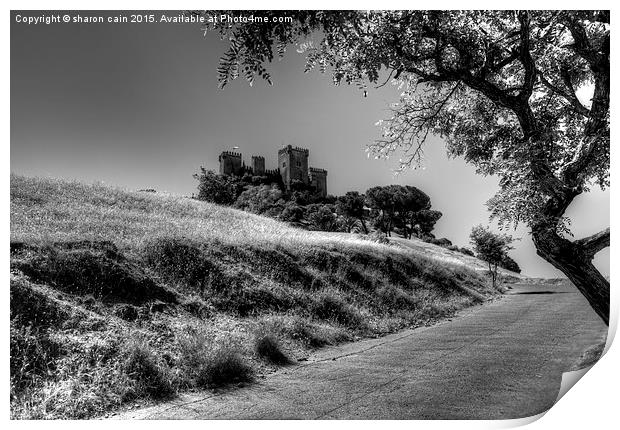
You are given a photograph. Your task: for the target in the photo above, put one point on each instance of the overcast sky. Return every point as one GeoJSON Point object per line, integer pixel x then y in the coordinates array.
{"type": "Point", "coordinates": [137, 106]}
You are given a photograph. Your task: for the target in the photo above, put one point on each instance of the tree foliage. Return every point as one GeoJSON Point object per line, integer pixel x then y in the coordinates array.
{"type": "Point", "coordinates": [500, 87]}
{"type": "Point", "coordinates": [403, 206]}
{"type": "Point", "coordinates": [261, 199]}
{"type": "Point", "coordinates": [214, 188]}
{"type": "Point", "coordinates": [351, 205]}
{"type": "Point", "coordinates": [491, 247]}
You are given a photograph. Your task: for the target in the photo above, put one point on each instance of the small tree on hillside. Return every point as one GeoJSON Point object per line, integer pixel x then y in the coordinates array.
{"type": "Point", "coordinates": [491, 247]}
{"type": "Point", "coordinates": [214, 188]}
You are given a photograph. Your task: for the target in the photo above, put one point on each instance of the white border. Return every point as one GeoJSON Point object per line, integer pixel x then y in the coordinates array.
{"type": "Point", "coordinates": [591, 404]}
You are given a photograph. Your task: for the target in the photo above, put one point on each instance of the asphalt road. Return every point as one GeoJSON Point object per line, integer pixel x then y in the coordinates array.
{"type": "Point", "coordinates": [501, 360]}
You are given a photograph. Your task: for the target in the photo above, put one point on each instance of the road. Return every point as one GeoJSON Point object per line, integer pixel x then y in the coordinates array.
{"type": "Point", "coordinates": [501, 360]}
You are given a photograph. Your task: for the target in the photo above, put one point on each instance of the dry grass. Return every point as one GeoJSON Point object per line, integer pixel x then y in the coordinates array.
{"type": "Point", "coordinates": [120, 296]}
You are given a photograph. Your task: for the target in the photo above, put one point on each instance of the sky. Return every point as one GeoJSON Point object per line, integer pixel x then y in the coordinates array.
{"type": "Point", "coordinates": [138, 106]}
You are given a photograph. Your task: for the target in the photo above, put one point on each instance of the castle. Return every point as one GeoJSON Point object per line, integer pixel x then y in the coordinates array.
{"type": "Point", "coordinates": [292, 167]}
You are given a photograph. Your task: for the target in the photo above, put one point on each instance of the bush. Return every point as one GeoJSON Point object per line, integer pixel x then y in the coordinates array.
{"type": "Point", "coordinates": [292, 212]}
{"type": "Point", "coordinates": [267, 347]}
{"type": "Point", "coordinates": [328, 307]}
{"type": "Point", "coordinates": [219, 189]}
{"type": "Point", "coordinates": [509, 264]}
{"type": "Point", "coordinates": [205, 364]}
{"type": "Point", "coordinates": [33, 355]}
{"type": "Point", "coordinates": [394, 298]}
{"type": "Point", "coordinates": [314, 335]}
{"type": "Point", "coordinates": [441, 242]}
{"type": "Point", "coordinates": [307, 333]}
{"type": "Point", "coordinates": [377, 237]}
{"type": "Point", "coordinates": [151, 376]}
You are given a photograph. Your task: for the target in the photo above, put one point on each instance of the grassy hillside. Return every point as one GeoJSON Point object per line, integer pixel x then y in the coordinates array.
{"type": "Point", "coordinates": [119, 296]}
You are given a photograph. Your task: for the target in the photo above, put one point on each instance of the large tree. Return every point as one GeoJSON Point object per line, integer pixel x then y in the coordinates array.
{"type": "Point", "coordinates": [501, 87]}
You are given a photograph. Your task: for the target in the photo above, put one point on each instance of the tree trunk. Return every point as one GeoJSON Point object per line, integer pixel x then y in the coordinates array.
{"type": "Point", "coordinates": [363, 225]}
{"type": "Point", "coordinates": [574, 259]}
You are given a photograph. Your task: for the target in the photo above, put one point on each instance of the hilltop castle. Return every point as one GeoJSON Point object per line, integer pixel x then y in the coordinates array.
{"type": "Point", "coordinates": [292, 166]}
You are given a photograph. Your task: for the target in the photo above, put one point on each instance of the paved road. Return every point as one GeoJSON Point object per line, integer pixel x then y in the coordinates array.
{"type": "Point", "coordinates": [497, 361]}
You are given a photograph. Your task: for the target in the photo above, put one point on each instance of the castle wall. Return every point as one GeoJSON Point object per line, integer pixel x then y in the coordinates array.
{"type": "Point", "coordinates": [258, 165]}
{"type": "Point", "coordinates": [318, 179]}
{"type": "Point", "coordinates": [293, 165]}
{"type": "Point", "coordinates": [230, 163]}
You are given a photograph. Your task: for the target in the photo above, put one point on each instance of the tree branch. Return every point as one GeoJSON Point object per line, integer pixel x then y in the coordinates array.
{"type": "Point", "coordinates": [525, 56]}
{"type": "Point", "coordinates": [568, 95]}
{"type": "Point", "coordinates": [595, 243]}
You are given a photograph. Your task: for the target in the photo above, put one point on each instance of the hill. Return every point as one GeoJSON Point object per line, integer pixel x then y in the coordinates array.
{"type": "Point", "coordinates": [122, 296]}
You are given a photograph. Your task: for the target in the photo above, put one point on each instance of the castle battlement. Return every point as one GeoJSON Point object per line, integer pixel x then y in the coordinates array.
{"type": "Point", "coordinates": [294, 148]}
{"type": "Point", "coordinates": [272, 172]}
{"type": "Point", "coordinates": [231, 154]}
{"type": "Point", "coordinates": [292, 168]}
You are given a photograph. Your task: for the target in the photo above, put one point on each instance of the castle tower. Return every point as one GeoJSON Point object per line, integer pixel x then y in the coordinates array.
{"type": "Point", "coordinates": [230, 163]}
{"type": "Point", "coordinates": [258, 165]}
{"type": "Point", "coordinates": [293, 164]}
{"type": "Point", "coordinates": [318, 179]}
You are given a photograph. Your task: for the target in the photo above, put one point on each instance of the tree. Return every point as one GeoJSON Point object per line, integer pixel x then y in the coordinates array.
{"type": "Point", "coordinates": [292, 212]}
{"type": "Point", "coordinates": [380, 199]}
{"type": "Point", "coordinates": [425, 221]}
{"type": "Point", "coordinates": [509, 264]}
{"type": "Point", "coordinates": [215, 188]}
{"type": "Point", "coordinates": [403, 206]}
{"type": "Point", "coordinates": [352, 205]}
{"type": "Point", "coordinates": [322, 217]}
{"type": "Point", "coordinates": [262, 199]}
{"type": "Point", "coordinates": [501, 88]}
{"type": "Point", "coordinates": [408, 203]}
{"type": "Point", "coordinates": [490, 247]}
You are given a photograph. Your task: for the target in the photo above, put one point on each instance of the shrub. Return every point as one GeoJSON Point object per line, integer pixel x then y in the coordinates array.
{"type": "Point", "coordinates": [33, 355]}
{"type": "Point", "coordinates": [267, 347]}
{"type": "Point", "coordinates": [263, 199]}
{"type": "Point", "coordinates": [394, 298]}
{"type": "Point", "coordinates": [292, 212]}
{"type": "Point", "coordinates": [314, 335]}
{"type": "Point", "coordinates": [328, 307]}
{"type": "Point", "coordinates": [226, 366]}
{"type": "Point", "coordinates": [441, 242]}
{"type": "Point", "coordinates": [378, 237]}
{"type": "Point", "coordinates": [509, 264]}
{"type": "Point", "coordinates": [219, 189]}
{"type": "Point", "coordinates": [205, 364]}
{"type": "Point", "coordinates": [151, 376]}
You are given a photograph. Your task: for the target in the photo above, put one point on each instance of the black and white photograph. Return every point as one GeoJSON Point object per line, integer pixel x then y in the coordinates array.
{"type": "Point", "coordinates": [383, 214]}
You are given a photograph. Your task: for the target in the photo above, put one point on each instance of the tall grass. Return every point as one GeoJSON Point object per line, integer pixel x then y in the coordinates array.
{"type": "Point", "coordinates": [55, 210]}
